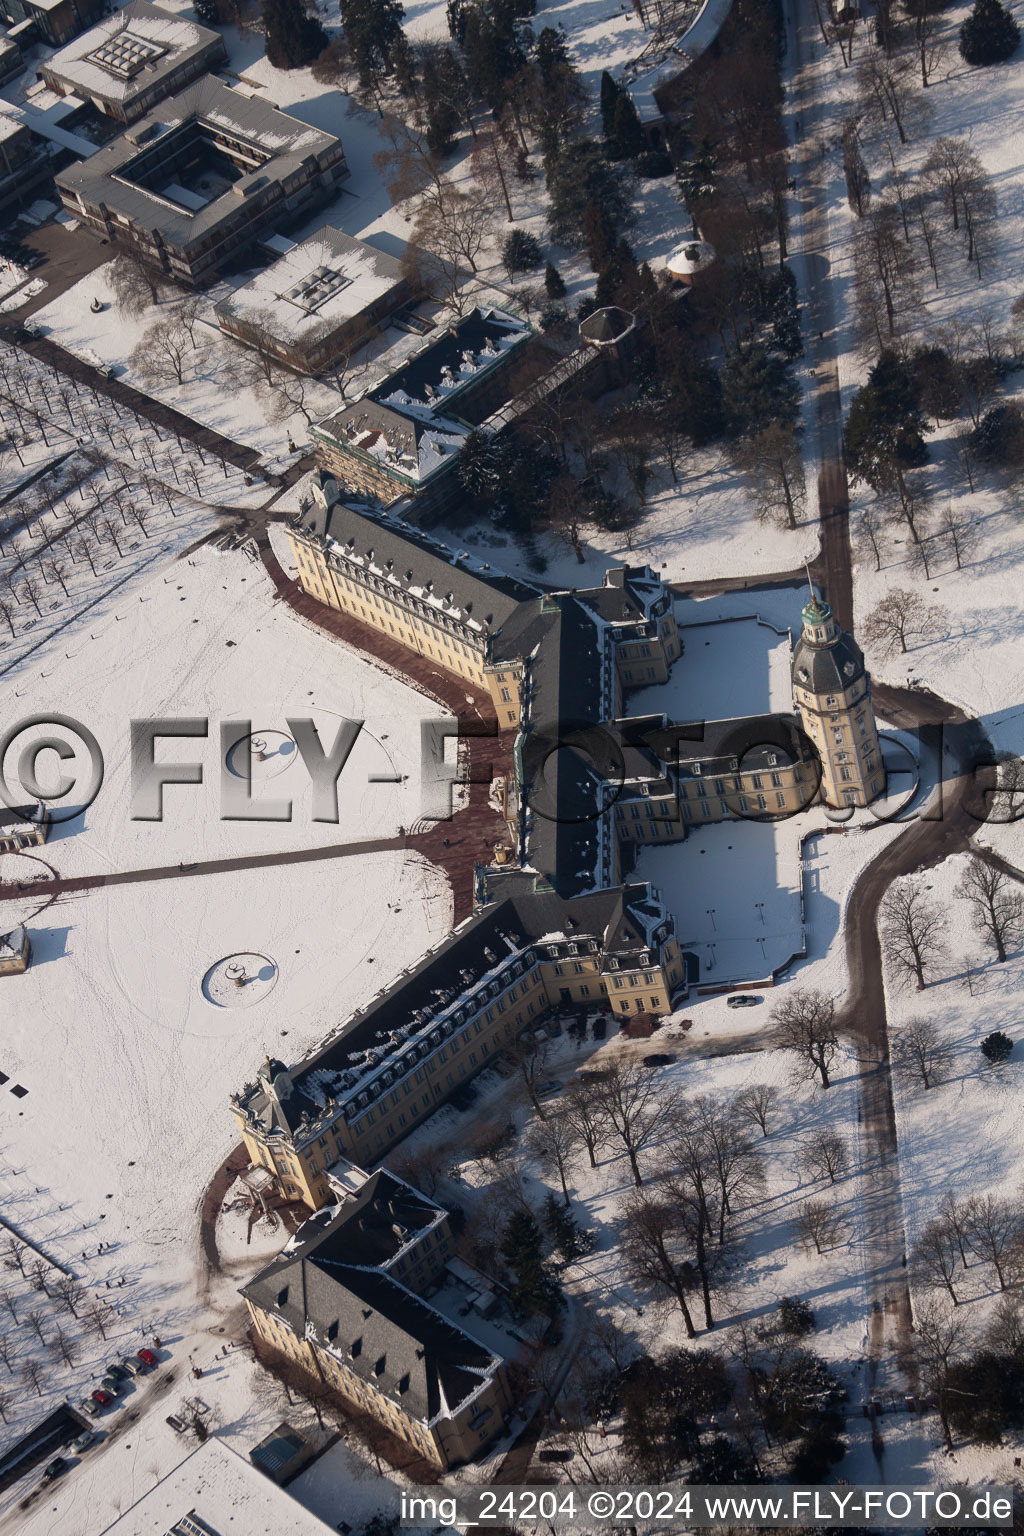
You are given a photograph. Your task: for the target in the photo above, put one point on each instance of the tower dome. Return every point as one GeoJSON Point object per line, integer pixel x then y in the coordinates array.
{"type": "Point", "coordinates": [832, 693]}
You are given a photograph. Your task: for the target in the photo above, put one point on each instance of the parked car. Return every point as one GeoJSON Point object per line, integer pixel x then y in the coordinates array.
{"type": "Point", "coordinates": [147, 1357]}
{"type": "Point", "coordinates": [54, 1469]}
{"type": "Point", "coordinates": [555, 1455]}
{"type": "Point", "coordinates": [86, 1438]}
{"type": "Point", "coordinates": [130, 1366]}
{"type": "Point", "coordinates": [743, 1000]}
{"type": "Point", "coordinates": [600, 1028]}
{"type": "Point", "coordinates": [89, 1407]}
{"type": "Point", "coordinates": [659, 1059]}
{"type": "Point", "coordinates": [117, 1369]}
{"type": "Point", "coordinates": [112, 1384]}
{"type": "Point", "coordinates": [101, 1397]}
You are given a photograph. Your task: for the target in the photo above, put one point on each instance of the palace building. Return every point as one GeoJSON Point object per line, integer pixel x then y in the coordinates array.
{"type": "Point", "coordinates": [345, 1301]}
{"type": "Point", "coordinates": [557, 925]}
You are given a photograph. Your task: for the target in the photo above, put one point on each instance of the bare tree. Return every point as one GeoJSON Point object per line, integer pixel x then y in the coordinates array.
{"type": "Point", "coordinates": [858, 182]}
{"type": "Point", "coordinates": [582, 1105]}
{"type": "Point", "coordinates": [455, 224]}
{"type": "Point", "coordinates": [5, 1405]}
{"type": "Point", "coordinates": [33, 1375]}
{"type": "Point", "coordinates": [935, 1257]}
{"type": "Point", "coordinates": [920, 1053]}
{"type": "Point", "coordinates": [804, 1022]}
{"type": "Point", "coordinates": [888, 92]}
{"type": "Point", "coordinates": [902, 617]}
{"type": "Point", "coordinates": [69, 1294]}
{"type": "Point", "coordinates": [35, 1321]}
{"type": "Point", "coordinates": [555, 1142]}
{"type": "Point", "coordinates": [135, 285]}
{"type": "Point", "coordinates": [654, 1254]}
{"type": "Point", "coordinates": [188, 318]}
{"type": "Point", "coordinates": [39, 1276]}
{"type": "Point", "coordinates": [959, 180]}
{"type": "Point", "coordinates": [97, 1320]}
{"type": "Point", "coordinates": [995, 1230]}
{"type": "Point", "coordinates": [885, 276]}
{"type": "Point", "coordinates": [14, 1255]}
{"type": "Point", "coordinates": [7, 1352]}
{"type": "Point", "coordinates": [708, 1128]}
{"type": "Point", "coordinates": [824, 1155]}
{"type": "Point", "coordinates": [959, 531]}
{"type": "Point", "coordinates": [529, 1052]}
{"type": "Point", "coordinates": [870, 523]}
{"type": "Point", "coordinates": [29, 591]}
{"type": "Point", "coordinates": [941, 1337]}
{"type": "Point", "coordinates": [63, 1348]}
{"type": "Point", "coordinates": [913, 931]}
{"type": "Point", "coordinates": [163, 351]}
{"type": "Point", "coordinates": [10, 1303]}
{"type": "Point", "coordinates": [772, 461]}
{"type": "Point", "coordinates": [997, 907]}
{"type": "Point", "coordinates": [636, 1108]}
{"type": "Point", "coordinates": [818, 1225]}
{"type": "Point", "coordinates": [8, 615]}
{"type": "Point", "coordinates": [758, 1104]}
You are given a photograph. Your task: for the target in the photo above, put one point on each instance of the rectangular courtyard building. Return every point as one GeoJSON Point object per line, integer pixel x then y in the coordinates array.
{"type": "Point", "coordinates": [23, 164]}
{"type": "Point", "coordinates": [319, 302]}
{"type": "Point", "coordinates": [133, 59]}
{"type": "Point", "coordinates": [198, 181]}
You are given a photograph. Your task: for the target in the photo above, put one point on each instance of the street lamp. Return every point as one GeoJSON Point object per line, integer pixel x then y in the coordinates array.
{"type": "Point", "coordinates": [760, 909]}
{"type": "Point", "coordinates": [710, 912]}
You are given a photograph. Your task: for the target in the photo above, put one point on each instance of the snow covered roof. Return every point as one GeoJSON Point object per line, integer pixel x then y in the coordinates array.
{"type": "Point", "coordinates": [125, 175]}
{"type": "Point", "coordinates": [126, 54]}
{"type": "Point", "coordinates": [645, 82]}
{"type": "Point", "coordinates": [691, 257]}
{"type": "Point", "coordinates": [315, 287]}
{"type": "Point", "coordinates": [225, 1492]}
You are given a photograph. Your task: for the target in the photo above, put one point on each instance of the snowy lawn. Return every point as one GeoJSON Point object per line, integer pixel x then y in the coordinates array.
{"type": "Point", "coordinates": [212, 392]}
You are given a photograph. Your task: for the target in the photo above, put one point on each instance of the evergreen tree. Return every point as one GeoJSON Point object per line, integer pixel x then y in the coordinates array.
{"type": "Point", "coordinates": [757, 390]}
{"type": "Point", "coordinates": [208, 12]}
{"type": "Point", "coordinates": [493, 54]}
{"type": "Point", "coordinates": [456, 11]}
{"type": "Point", "coordinates": [997, 1047]}
{"type": "Point", "coordinates": [611, 91]}
{"type": "Point", "coordinates": [570, 1240]}
{"type": "Point", "coordinates": [479, 467]}
{"type": "Point", "coordinates": [626, 139]}
{"type": "Point", "coordinates": [695, 392]}
{"type": "Point", "coordinates": [520, 252]}
{"type": "Point", "coordinates": [561, 94]}
{"type": "Point", "coordinates": [373, 31]}
{"type": "Point", "coordinates": [534, 1291]}
{"type": "Point", "coordinates": [444, 88]}
{"type": "Point", "coordinates": [619, 272]}
{"type": "Point", "coordinates": [554, 283]}
{"type": "Point", "coordinates": [884, 430]}
{"type": "Point", "coordinates": [580, 175]}
{"type": "Point", "coordinates": [989, 35]}
{"type": "Point", "coordinates": [293, 38]}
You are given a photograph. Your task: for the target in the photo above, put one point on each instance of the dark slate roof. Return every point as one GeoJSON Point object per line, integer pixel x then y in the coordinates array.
{"type": "Point", "coordinates": [411, 559]}
{"type": "Point", "coordinates": [382, 1217]}
{"type": "Point", "coordinates": [382, 1331]}
{"type": "Point", "coordinates": [523, 910]}
{"type": "Point", "coordinates": [827, 668]}
{"type": "Point", "coordinates": [566, 700]}
{"type": "Point", "coordinates": [725, 746]}
{"type": "Point", "coordinates": [423, 377]}
{"type": "Point", "coordinates": [102, 178]}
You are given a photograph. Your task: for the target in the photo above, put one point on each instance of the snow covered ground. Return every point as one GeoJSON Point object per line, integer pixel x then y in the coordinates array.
{"type": "Point", "coordinates": [112, 1036]}
{"type": "Point", "coordinates": [212, 390]}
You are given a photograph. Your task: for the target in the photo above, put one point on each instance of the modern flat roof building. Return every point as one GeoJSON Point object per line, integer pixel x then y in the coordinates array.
{"type": "Point", "coordinates": [216, 1490]}
{"type": "Point", "coordinates": [133, 59]}
{"type": "Point", "coordinates": [23, 164]}
{"type": "Point", "coordinates": [196, 182]}
{"type": "Point", "coordinates": [319, 301]}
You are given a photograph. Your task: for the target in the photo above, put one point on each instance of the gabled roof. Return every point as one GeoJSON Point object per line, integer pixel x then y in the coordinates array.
{"type": "Point", "coordinates": [382, 1331]}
